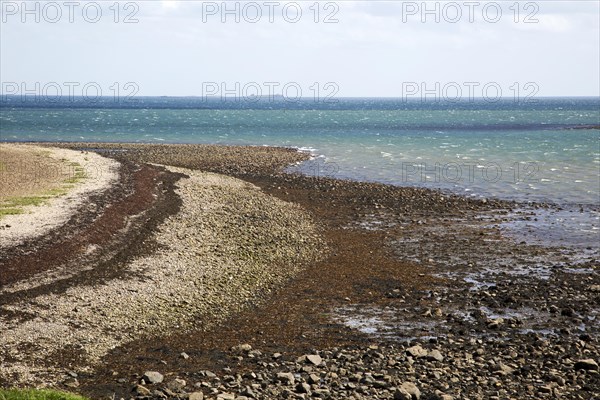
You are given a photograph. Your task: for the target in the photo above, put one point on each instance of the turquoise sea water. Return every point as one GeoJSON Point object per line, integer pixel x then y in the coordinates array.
{"type": "Point", "coordinates": [547, 151]}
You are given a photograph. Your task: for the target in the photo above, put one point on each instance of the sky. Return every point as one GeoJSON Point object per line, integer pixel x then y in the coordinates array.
{"type": "Point", "coordinates": [305, 48]}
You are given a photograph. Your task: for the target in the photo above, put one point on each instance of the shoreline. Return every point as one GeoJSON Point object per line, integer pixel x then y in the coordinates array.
{"type": "Point", "coordinates": [114, 146]}
{"type": "Point", "coordinates": [404, 267]}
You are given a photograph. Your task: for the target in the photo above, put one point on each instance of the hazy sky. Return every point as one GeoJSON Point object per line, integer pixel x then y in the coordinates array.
{"type": "Point", "coordinates": [347, 48]}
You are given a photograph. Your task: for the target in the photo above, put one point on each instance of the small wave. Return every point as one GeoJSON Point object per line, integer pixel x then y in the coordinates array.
{"type": "Point", "coordinates": [308, 149]}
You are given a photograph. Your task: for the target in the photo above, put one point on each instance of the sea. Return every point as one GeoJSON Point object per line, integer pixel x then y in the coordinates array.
{"type": "Point", "coordinates": [543, 150]}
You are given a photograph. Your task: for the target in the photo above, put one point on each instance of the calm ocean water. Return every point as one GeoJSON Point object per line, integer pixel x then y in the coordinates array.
{"type": "Point", "coordinates": [546, 151]}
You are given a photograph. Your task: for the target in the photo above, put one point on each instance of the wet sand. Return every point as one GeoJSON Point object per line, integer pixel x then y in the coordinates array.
{"type": "Point", "coordinates": [399, 267]}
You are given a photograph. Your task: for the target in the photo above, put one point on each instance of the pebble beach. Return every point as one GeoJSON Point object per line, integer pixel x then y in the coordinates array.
{"type": "Point", "coordinates": [207, 272]}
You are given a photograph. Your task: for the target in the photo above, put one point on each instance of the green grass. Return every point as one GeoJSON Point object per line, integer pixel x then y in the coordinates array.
{"type": "Point", "coordinates": [14, 206]}
{"type": "Point", "coordinates": [10, 211]}
{"type": "Point", "coordinates": [33, 394]}
{"type": "Point", "coordinates": [25, 201]}
{"type": "Point", "coordinates": [58, 191]}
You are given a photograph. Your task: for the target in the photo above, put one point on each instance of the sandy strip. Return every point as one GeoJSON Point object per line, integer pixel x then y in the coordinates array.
{"type": "Point", "coordinates": [100, 174]}
{"type": "Point", "coordinates": [229, 243]}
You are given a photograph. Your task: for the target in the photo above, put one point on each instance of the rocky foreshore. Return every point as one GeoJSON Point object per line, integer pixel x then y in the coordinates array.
{"type": "Point", "coordinates": [419, 294]}
{"type": "Point", "coordinates": [439, 369]}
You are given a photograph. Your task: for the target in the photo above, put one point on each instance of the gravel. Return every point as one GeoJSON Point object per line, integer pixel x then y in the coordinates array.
{"type": "Point", "coordinates": [229, 245]}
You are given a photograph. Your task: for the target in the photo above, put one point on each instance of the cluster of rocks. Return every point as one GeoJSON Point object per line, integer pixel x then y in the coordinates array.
{"type": "Point", "coordinates": [440, 370]}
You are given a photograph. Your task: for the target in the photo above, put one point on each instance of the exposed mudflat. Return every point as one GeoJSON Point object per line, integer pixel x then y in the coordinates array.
{"type": "Point", "coordinates": [394, 293]}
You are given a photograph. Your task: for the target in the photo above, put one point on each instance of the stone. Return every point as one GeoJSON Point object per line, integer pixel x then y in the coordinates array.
{"type": "Point", "coordinates": [411, 389]}
{"type": "Point", "coordinates": [416, 351]}
{"type": "Point", "coordinates": [303, 388]}
{"type": "Point", "coordinates": [141, 390]}
{"type": "Point", "coordinates": [196, 396]}
{"type": "Point", "coordinates": [587, 364]}
{"type": "Point", "coordinates": [435, 355]}
{"type": "Point", "coordinates": [242, 348]}
{"type": "Point", "coordinates": [176, 384]}
{"type": "Point", "coordinates": [226, 396]}
{"type": "Point", "coordinates": [184, 355]}
{"type": "Point", "coordinates": [249, 392]}
{"type": "Point", "coordinates": [545, 389]}
{"type": "Point", "coordinates": [71, 382]}
{"type": "Point", "coordinates": [314, 359]}
{"type": "Point", "coordinates": [567, 312]}
{"type": "Point", "coordinates": [495, 323]}
{"type": "Point", "coordinates": [401, 394]}
{"type": "Point", "coordinates": [153, 377]}
{"type": "Point", "coordinates": [254, 353]}
{"type": "Point", "coordinates": [314, 379]}
{"type": "Point", "coordinates": [286, 377]}
{"type": "Point", "coordinates": [322, 392]}
{"type": "Point", "coordinates": [504, 369]}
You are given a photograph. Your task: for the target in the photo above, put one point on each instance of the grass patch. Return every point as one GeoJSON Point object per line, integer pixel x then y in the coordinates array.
{"type": "Point", "coordinates": [10, 211]}
{"type": "Point", "coordinates": [61, 191]}
{"type": "Point", "coordinates": [25, 201]}
{"type": "Point", "coordinates": [14, 206]}
{"type": "Point", "coordinates": [33, 394]}
{"type": "Point", "coordinates": [2, 167]}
